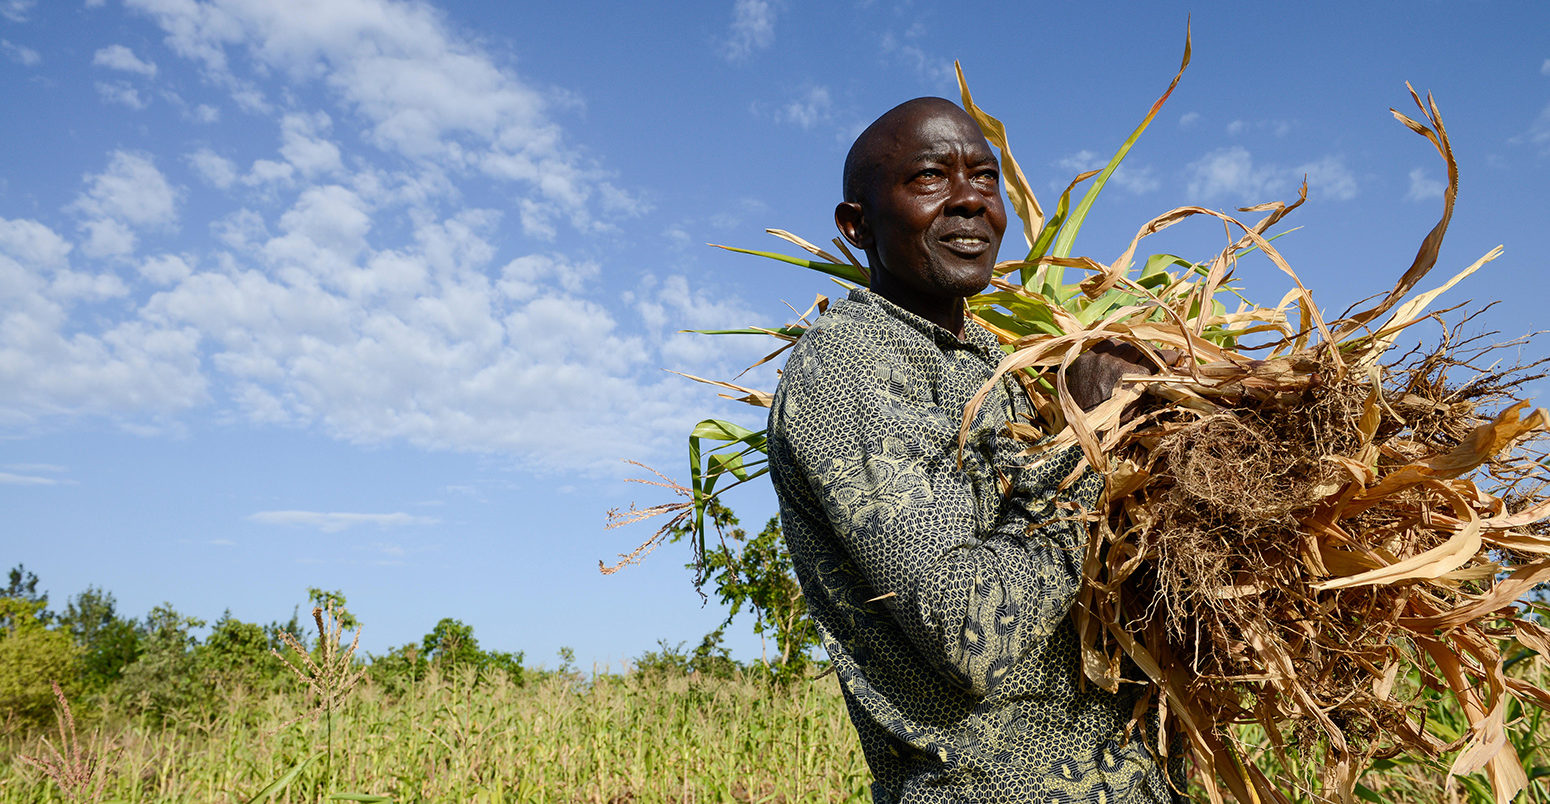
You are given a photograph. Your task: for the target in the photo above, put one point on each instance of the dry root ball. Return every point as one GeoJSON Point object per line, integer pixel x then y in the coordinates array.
{"type": "Point", "coordinates": [1234, 467]}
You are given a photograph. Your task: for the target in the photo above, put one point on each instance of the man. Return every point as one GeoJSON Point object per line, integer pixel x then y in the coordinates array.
{"type": "Point", "coordinates": [942, 592]}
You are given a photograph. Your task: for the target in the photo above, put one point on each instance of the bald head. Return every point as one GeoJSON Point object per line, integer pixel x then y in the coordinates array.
{"type": "Point", "coordinates": [923, 200]}
{"type": "Point", "coordinates": [868, 152]}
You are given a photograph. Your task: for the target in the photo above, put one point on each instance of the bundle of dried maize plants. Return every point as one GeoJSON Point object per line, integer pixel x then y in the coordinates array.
{"type": "Point", "coordinates": [1306, 538]}
{"type": "Point", "coordinates": [1297, 536]}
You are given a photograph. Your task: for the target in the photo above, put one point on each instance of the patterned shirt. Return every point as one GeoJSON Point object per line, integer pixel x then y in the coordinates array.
{"type": "Point", "coordinates": [942, 592]}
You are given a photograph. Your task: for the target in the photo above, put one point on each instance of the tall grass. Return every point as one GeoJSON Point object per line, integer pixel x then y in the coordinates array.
{"type": "Point", "coordinates": [467, 737]}
{"type": "Point", "coordinates": [641, 737]}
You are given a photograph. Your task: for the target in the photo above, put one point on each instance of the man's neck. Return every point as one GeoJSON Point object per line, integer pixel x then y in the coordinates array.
{"type": "Point", "coordinates": [946, 313]}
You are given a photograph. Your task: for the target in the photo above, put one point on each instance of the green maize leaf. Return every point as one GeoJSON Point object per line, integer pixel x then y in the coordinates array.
{"type": "Point", "coordinates": [1366, 794]}
{"type": "Point", "coordinates": [1103, 305]}
{"type": "Point", "coordinates": [284, 781]}
{"type": "Point", "coordinates": [718, 430]}
{"type": "Point", "coordinates": [790, 332]}
{"type": "Point", "coordinates": [1026, 318]}
{"type": "Point", "coordinates": [1006, 322]}
{"type": "Point", "coordinates": [1047, 235]}
{"type": "Point", "coordinates": [721, 464]}
{"type": "Point", "coordinates": [1064, 240]}
{"type": "Point", "coordinates": [849, 273]}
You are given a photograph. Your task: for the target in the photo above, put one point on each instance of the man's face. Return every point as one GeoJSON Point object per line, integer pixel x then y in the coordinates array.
{"type": "Point", "coordinates": [934, 210]}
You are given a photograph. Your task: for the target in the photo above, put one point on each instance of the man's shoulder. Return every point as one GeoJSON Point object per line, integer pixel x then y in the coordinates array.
{"type": "Point", "coordinates": [848, 338]}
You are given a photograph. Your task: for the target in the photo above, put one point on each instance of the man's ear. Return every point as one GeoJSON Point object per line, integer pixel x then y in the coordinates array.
{"type": "Point", "coordinates": [853, 225]}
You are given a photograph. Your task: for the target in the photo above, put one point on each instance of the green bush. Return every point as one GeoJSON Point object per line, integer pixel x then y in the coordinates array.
{"type": "Point", "coordinates": [31, 656]}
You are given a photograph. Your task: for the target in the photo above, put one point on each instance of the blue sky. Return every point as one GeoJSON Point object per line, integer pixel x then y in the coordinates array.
{"type": "Point", "coordinates": [376, 295]}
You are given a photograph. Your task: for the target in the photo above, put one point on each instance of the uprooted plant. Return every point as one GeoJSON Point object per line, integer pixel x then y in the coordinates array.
{"type": "Point", "coordinates": [1302, 536]}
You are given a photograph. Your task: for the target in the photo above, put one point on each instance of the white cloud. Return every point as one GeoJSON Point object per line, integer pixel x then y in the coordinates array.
{"type": "Point", "coordinates": [117, 92]}
{"type": "Point", "coordinates": [1228, 171]}
{"type": "Point", "coordinates": [1233, 174]}
{"type": "Point", "coordinates": [1189, 119]}
{"type": "Point", "coordinates": [310, 155]}
{"type": "Point", "coordinates": [51, 367]}
{"type": "Point", "coordinates": [1423, 188]}
{"type": "Point", "coordinates": [268, 171]}
{"type": "Point", "coordinates": [424, 93]}
{"type": "Point", "coordinates": [164, 269]}
{"type": "Point", "coordinates": [118, 57]}
{"type": "Point", "coordinates": [20, 54]}
{"type": "Point", "coordinates": [753, 28]}
{"type": "Point", "coordinates": [934, 70]}
{"type": "Point", "coordinates": [1538, 132]}
{"type": "Point", "coordinates": [16, 10]}
{"type": "Point", "coordinates": [45, 468]}
{"type": "Point", "coordinates": [9, 479]}
{"type": "Point", "coordinates": [1278, 128]}
{"type": "Point", "coordinates": [1132, 178]}
{"type": "Point", "coordinates": [106, 237]}
{"type": "Point", "coordinates": [334, 522]}
{"type": "Point", "coordinates": [68, 285]}
{"type": "Point", "coordinates": [812, 108]}
{"type": "Point", "coordinates": [32, 243]}
{"type": "Point", "coordinates": [131, 190]}
{"type": "Point", "coordinates": [1328, 178]}
{"type": "Point", "coordinates": [213, 168]}
{"type": "Point", "coordinates": [1544, 69]}
{"type": "Point", "coordinates": [350, 286]}
{"type": "Point", "coordinates": [206, 113]}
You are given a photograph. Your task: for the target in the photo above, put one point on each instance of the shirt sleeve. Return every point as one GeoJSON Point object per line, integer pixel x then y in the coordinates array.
{"type": "Point", "coordinates": [973, 590]}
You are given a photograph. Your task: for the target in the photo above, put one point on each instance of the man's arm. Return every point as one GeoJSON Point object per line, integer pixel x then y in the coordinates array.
{"type": "Point", "coordinates": [972, 592]}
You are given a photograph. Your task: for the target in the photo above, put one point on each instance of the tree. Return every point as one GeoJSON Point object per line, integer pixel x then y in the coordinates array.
{"type": "Point", "coordinates": [757, 573]}
{"type": "Point", "coordinates": [31, 656]}
{"type": "Point", "coordinates": [236, 654]}
{"type": "Point", "coordinates": [108, 643]}
{"type": "Point", "coordinates": [452, 644]}
{"type": "Point", "coordinates": [163, 679]}
{"type": "Point", "coordinates": [23, 585]}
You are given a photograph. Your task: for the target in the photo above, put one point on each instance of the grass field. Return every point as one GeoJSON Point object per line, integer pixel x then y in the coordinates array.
{"type": "Point", "coordinates": [458, 738]}
{"type": "Point", "coordinates": [642, 737]}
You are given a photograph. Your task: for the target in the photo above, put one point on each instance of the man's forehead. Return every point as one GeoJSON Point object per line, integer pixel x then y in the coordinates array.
{"type": "Point", "coordinates": [936, 128]}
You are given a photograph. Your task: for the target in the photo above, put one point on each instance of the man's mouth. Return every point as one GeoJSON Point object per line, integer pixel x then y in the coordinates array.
{"type": "Point", "coordinates": [966, 245]}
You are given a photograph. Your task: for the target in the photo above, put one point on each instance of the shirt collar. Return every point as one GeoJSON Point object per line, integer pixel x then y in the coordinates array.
{"type": "Point", "coordinates": [975, 337]}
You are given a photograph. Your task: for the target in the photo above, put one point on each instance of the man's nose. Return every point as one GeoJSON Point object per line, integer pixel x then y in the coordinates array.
{"type": "Point", "coordinates": [964, 198]}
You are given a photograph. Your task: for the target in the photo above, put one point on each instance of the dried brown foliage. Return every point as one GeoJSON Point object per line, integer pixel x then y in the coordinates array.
{"type": "Point", "coordinates": [71, 765]}
{"type": "Point", "coordinates": [1309, 540]}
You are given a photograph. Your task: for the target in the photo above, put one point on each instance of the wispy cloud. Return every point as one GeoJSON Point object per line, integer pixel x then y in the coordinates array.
{"type": "Point", "coordinates": [934, 70]}
{"type": "Point", "coordinates": [118, 57]}
{"type": "Point", "coordinates": [334, 522]}
{"type": "Point", "coordinates": [350, 286]}
{"type": "Point", "coordinates": [1134, 179]}
{"type": "Point", "coordinates": [807, 110]}
{"type": "Point", "coordinates": [20, 54]}
{"type": "Point", "coordinates": [1189, 119]}
{"type": "Point", "coordinates": [16, 10]}
{"type": "Point", "coordinates": [1544, 69]}
{"type": "Point", "coordinates": [752, 29]}
{"type": "Point", "coordinates": [33, 474]}
{"type": "Point", "coordinates": [9, 479]}
{"type": "Point", "coordinates": [121, 94]}
{"type": "Point", "coordinates": [1276, 128]}
{"type": "Point", "coordinates": [1422, 187]}
{"type": "Point", "coordinates": [1232, 173]}
{"type": "Point", "coordinates": [1538, 133]}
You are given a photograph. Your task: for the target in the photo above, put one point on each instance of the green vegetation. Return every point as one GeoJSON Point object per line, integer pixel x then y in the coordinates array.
{"type": "Point", "coordinates": [250, 713]}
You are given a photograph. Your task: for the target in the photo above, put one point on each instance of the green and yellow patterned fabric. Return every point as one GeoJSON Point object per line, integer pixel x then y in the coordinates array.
{"type": "Point", "coordinates": [942, 592]}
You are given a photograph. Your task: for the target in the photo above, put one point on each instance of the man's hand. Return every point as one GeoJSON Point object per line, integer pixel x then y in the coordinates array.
{"type": "Point", "coordinates": [1094, 375]}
